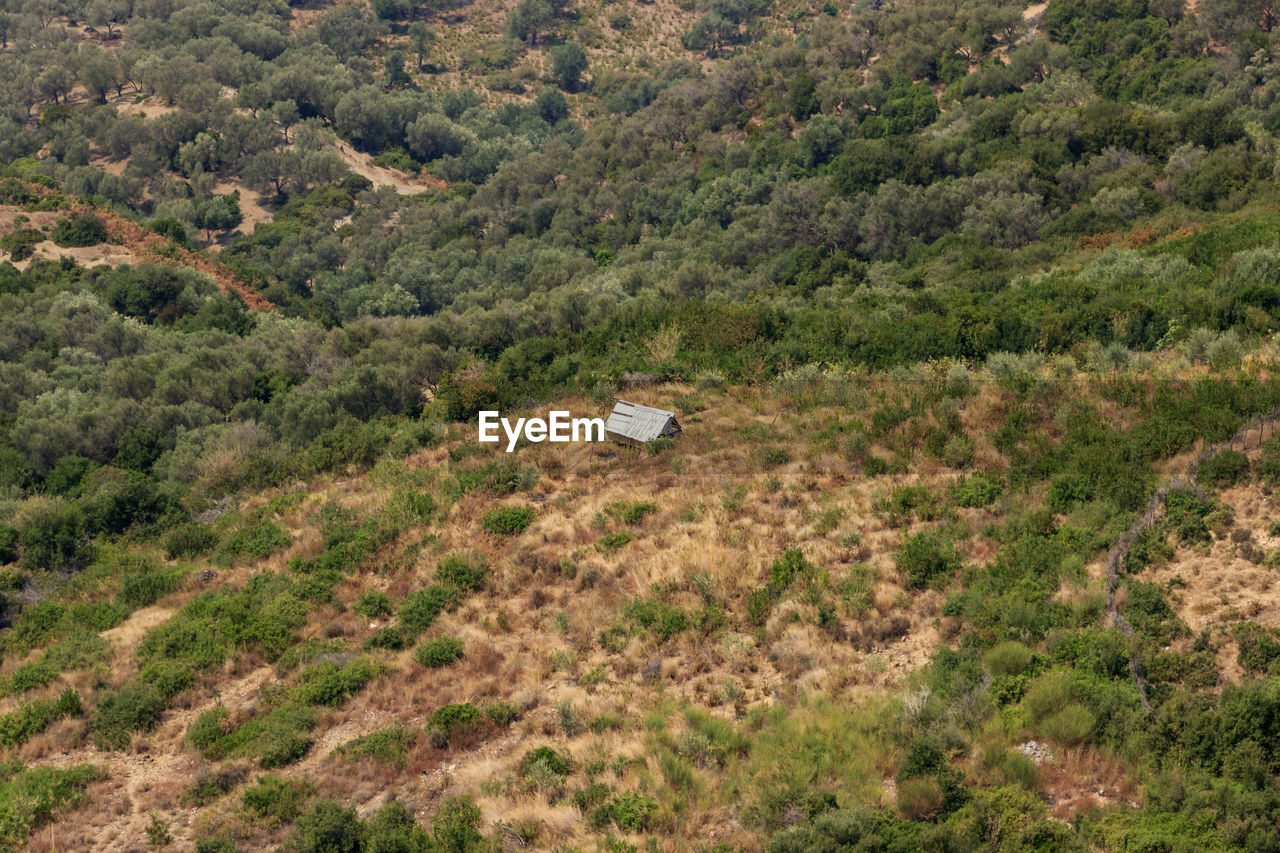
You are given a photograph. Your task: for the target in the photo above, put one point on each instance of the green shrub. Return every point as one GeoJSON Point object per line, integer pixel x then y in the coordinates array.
{"type": "Point", "coordinates": [32, 797]}
{"type": "Point", "coordinates": [207, 730]}
{"type": "Point", "coordinates": [78, 650]}
{"type": "Point", "coordinates": [34, 717]}
{"type": "Point", "coordinates": [283, 735]}
{"type": "Point", "coordinates": [502, 713]}
{"type": "Point", "coordinates": [611, 542]}
{"type": "Point", "coordinates": [467, 572]}
{"type": "Point", "coordinates": [1048, 693]}
{"type": "Point", "coordinates": [456, 826]}
{"type": "Point", "coordinates": [1150, 614]}
{"type": "Point", "coordinates": [98, 615]}
{"type": "Point", "coordinates": [904, 502]}
{"type": "Point", "coordinates": [508, 520]}
{"type": "Point", "coordinates": [80, 229]}
{"type": "Point", "coordinates": [1257, 646]}
{"type": "Point", "coordinates": [439, 652]}
{"type": "Point", "coordinates": [373, 605]}
{"type": "Point", "coordinates": [146, 586]}
{"type": "Point", "coordinates": [604, 722]}
{"type": "Point", "coordinates": [391, 637]}
{"type": "Point", "coordinates": [8, 544]}
{"type": "Point", "coordinates": [279, 798]}
{"type": "Point", "coordinates": [1070, 726]}
{"type": "Point", "coordinates": [255, 540]}
{"type": "Point", "coordinates": [1016, 768]}
{"type": "Point", "coordinates": [1008, 658]}
{"type": "Point", "coordinates": [392, 829]}
{"type": "Point", "coordinates": [21, 244]}
{"type": "Point", "coordinates": [1225, 469]}
{"type": "Point", "coordinates": [632, 812]}
{"type": "Point", "coordinates": [1268, 464]}
{"type": "Point", "coordinates": [664, 620]}
{"type": "Point", "coordinates": [216, 845]}
{"type": "Point", "coordinates": [328, 827]}
{"type": "Point", "coordinates": [500, 477]}
{"type": "Point", "coordinates": [120, 713]}
{"type": "Point", "coordinates": [54, 536]}
{"type": "Point", "coordinates": [210, 786]}
{"type": "Point", "coordinates": [168, 677]}
{"type": "Point", "coordinates": [772, 457]}
{"type": "Point", "coordinates": [388, 745]}
{"type": "Point", "coordinates": [198, 643]}
{"type": "Point", "coordinates": [927, 558]}
{"type": "Point", "coordinates": [631, 512]}
{"type": "Point", "coordinates": [978, 490]}
{"type": "Point", "coordinates": [421, 608]}
{"type": "Point", "coordinates": [31, 675]}
{"type": "Point", "coordinates": [331, 684]}
{"type": "Point", "coordinates": [449, 720]}
{"type": "Point", "coordinates": [189, 540]}
{"type": "Point", "coordinates": [556, 763]}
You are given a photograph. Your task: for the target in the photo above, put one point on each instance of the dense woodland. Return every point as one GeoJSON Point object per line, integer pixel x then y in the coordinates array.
{"type": "Point", "coordinates": [1063, 217]}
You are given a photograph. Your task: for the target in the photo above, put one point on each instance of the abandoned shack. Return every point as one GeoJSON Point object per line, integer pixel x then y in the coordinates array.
{"type": "Point", "coordinates": [630, 423]}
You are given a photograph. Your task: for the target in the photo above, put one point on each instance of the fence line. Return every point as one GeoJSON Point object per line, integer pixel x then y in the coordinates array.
{"type": "Point", "coordinates": [1151, 514]}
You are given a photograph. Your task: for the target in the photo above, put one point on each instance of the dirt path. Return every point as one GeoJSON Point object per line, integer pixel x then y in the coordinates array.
{"type": "Point", "coordinates": [362, 164]}
{"type": "Point", "coordinates": [147, 245]}
{"type": "Point", "coordinates": [155, 772]}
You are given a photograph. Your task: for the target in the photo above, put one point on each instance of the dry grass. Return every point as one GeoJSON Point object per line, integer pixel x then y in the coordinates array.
{"type": "Point", "coordinates": [533, 638]}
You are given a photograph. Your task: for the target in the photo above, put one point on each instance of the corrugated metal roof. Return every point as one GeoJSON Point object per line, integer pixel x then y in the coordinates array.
{"type": "Point", "coordinates": [640, 423]}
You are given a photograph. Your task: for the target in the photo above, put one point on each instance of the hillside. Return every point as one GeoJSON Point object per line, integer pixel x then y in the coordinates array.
{"type": "Point", "coordinates": [790, 602]}
{"type": "Point", "coordinates": [968, 312]}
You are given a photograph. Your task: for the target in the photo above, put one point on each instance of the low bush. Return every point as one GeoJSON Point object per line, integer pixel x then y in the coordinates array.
{"type": "Point", "coordinates": [189, 540]}
{"type": "Point", "coordinates": [502, 713]}
{"type": "Point", "coordinates": [556, 763]}
{"type": "Point", "coordinates": [1224, 469]}
{"type": "Point", "coordinates": [207, 730]}
{"type": "Point", "coordinates": [508, 520]}
{"type": "Point", "coordinates": [33, 796]}
{"type": "Point", "coordinates": [1008, 658]}
{"type": "Point", "coordinates": [387, 745]}
{"type": "Point", "coordinates": [212, 785]}
{"type": "Point", "coordinates": [421, 608]}
{"type": "Point", "coordinates": [631, 512]}
{"type": "Point", "coordinates": [439, 652]}
{"type": "Point", "coordinates": [373, 605]}
{"type": "Point", "coordinates": [282, 799]}
{"type": "Point", "coordinates": [80, 229]}
{"type": "Point", "coordinates": [630, 812]}
{"type": "Point", "coordinates": [926, 559]}
{"type": "Point", "coordinates": [501, 477]}
{"type": "Point", "coordinates": [662, 619]}
{"type": "Point", "coordinates": [281, 737]}
{"type": "Point", "coordinates": [254, 540]}
{"type": "Point", "coordinates": [467, 572]}
{"type": "Point", "coordinates": [1070, 726]}
{"type": "Point", "coordinates": [448, 721]}
{"type": "Point", "coordinates": [978, 490]}
{"type": "Point", "coordinates": [120, 713]}
{"type": "Point", "coordinates": [328, 827]}
{"type": "Point", "coordinates": [611, 542]}
{"type": "Point", "coordinates": [34, 717]}
{"type": "Point", "coordinates": [331, 684]}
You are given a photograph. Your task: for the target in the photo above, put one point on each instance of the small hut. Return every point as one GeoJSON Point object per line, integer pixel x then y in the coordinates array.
{"type": "Point", "coordinates": [633, 424]}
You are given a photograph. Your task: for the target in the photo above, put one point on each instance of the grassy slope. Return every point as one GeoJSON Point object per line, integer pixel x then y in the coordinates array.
{"type": "Point", "coordinates": [728, 503]}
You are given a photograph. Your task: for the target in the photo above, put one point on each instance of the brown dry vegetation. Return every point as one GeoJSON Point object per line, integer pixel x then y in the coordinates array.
{"type": "Point", "coordinates": [723, 512]}
{"type": "Point", "coordinates": [722, 518]}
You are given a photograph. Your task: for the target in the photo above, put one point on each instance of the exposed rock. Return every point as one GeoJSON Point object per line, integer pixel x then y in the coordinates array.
{"type": "Point", "coordinates": [1036, 751]}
